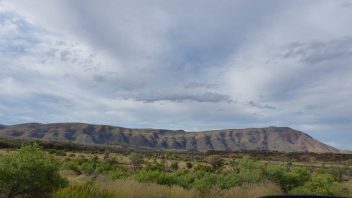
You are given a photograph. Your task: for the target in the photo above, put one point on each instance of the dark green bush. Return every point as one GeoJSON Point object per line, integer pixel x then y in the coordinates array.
{"type": "Point", "coordinates": [189, 165]}
{"type": "Point", "coordinates": [215, 161]}
{"type": "Point", "coordinates": [29, 172]}
{"type": "Point", "coordinates": [287, 180]}
{"type": "Point", "coordinates": [174, 166]}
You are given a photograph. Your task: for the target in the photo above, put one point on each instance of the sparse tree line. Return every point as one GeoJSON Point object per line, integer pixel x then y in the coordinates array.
{"type": "Point", "coordinates": [33, 172]}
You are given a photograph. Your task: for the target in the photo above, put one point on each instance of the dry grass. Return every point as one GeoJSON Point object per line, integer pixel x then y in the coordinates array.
{"type": "Point", "coordinates": [134, 189]}
{"type": "Point", "coordinates": [252, 190]}
{"type": "Point", "coordinates": [348, 186]}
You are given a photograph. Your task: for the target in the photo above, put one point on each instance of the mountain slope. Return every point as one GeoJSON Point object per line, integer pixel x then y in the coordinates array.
{"type": "Point", "coordinates": [282, 139]}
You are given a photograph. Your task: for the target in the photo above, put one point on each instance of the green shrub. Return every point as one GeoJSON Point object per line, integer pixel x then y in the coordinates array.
{"type": "Point", "coordinates": [29, 172]}
{"type": "Point", "coordinates": [89, 167]}
{"type": "Point", "coordinates": [104, 167]}
{"type": "Point", "coordinates": [250, 171]}
{"type": "Point", "coordinates": [287, 180]}
{"type": "Point", "coordinates": [183, 178]}
{"type": "Point", "coordinates": [119, 173]}
{"type": "Point", "coordinates": [71, 165]}
{"type": "Point", "coordinates": [206, 182]}
{"type": "Point", "coordinates": [150, 176]}
{"type": "Point", "coordinates": [321, 184]}
{"type": "Point", "coordinates": [275, 173]}
{"type": "Point", "coordinates": [296, 177]}
{"type": "Point", "coordinates": [228, 181]}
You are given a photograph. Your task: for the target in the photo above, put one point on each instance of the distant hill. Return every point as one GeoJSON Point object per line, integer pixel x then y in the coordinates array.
{"type": "Point", "coordinates": [281, 139]}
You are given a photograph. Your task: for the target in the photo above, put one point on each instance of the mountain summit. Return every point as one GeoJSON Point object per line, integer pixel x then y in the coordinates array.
{"type": "Point", "coordinates": [281, 139]}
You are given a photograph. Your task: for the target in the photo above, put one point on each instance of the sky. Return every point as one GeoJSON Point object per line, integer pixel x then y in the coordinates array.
{"type": "Point", "coordinates": [177, 64]}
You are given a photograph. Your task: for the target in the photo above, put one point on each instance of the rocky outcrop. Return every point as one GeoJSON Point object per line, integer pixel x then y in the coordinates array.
{"type": "Point", "coordinates": [282, 139]}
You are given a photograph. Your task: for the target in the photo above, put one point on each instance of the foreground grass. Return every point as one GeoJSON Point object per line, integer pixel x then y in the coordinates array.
{"type": "Point", "coordinates": [133, 189]}
{"type": "Point", "coordinates": [85, 191]}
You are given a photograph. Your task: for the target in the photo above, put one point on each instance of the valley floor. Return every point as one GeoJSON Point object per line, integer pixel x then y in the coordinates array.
{"type": "Point", "coordinates": [168, 174]}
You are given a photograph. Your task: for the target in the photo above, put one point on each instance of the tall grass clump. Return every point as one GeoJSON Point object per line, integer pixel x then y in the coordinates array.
{"type": "Point", "coordinates": [88, 190]}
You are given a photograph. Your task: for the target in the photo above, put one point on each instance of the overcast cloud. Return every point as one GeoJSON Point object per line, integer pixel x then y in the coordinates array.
{"type": "Point", "coordinates": [179, 64]}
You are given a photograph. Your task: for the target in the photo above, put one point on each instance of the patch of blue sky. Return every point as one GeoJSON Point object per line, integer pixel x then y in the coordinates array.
{"type": "Point", "coordinates": [22, 39]}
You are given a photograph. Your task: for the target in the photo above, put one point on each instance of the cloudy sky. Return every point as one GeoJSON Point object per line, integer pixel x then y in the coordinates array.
{"type": "Point", "coordinates": [178, 64]}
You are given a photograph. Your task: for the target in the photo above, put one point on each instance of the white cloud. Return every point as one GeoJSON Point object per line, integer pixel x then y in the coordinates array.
{"type": "Point", "coordinates": [176, 64]}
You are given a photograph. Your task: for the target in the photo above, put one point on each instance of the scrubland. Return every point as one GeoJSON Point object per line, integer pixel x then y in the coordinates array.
{"type": "Point", "coordinates": [169, 174]}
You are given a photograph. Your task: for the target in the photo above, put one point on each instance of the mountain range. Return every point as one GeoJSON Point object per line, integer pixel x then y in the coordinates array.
{"type": "Point", "coordinates": [282, 139]}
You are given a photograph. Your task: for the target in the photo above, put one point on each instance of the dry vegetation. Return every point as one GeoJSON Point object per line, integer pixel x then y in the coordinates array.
{"type": "Point", "coordinates": [122, 188]}
{"type": "Point", "coordinates": [105, 173]}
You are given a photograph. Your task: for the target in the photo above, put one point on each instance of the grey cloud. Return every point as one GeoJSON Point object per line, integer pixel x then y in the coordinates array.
{"type": "Point", "coordinates": [211, 97]}
{"type": "Point", "coordinates": [99, 78]}
{"type": "Point", "coordinates": [312, 107]}
{"type": "Point", "coordinates": [319, 51]}
{"type": "Point", "coordinates": [260, 106]}
{"type": "Point", "coordinates": [346, 4]}
{"type": "Point", "coordinates": [194, 85]}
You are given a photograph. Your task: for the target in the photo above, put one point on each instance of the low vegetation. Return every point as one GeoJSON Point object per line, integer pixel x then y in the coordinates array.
{"type": "Point", "coordinates": [29, 172]}
{"type": "Point", "coordinates": [33, 172]}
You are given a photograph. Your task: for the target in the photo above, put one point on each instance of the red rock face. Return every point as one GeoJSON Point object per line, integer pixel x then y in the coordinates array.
{"type": "Point", "coordinates": [282, 139]}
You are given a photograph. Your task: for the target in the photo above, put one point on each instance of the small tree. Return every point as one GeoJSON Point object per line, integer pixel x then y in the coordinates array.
{"type": "Point", "coordinates": [189, 165]}
{"type": "Point", "coordinates": [29, 172]}
{"type": "Point", "coordinates": [174, 166]}
{"type": "Point", "coordinates": [136, 161]}
{"type": "Point", "coordinates": [215, 161]}
{"type": "Point", "coordinates": [106, 154]}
